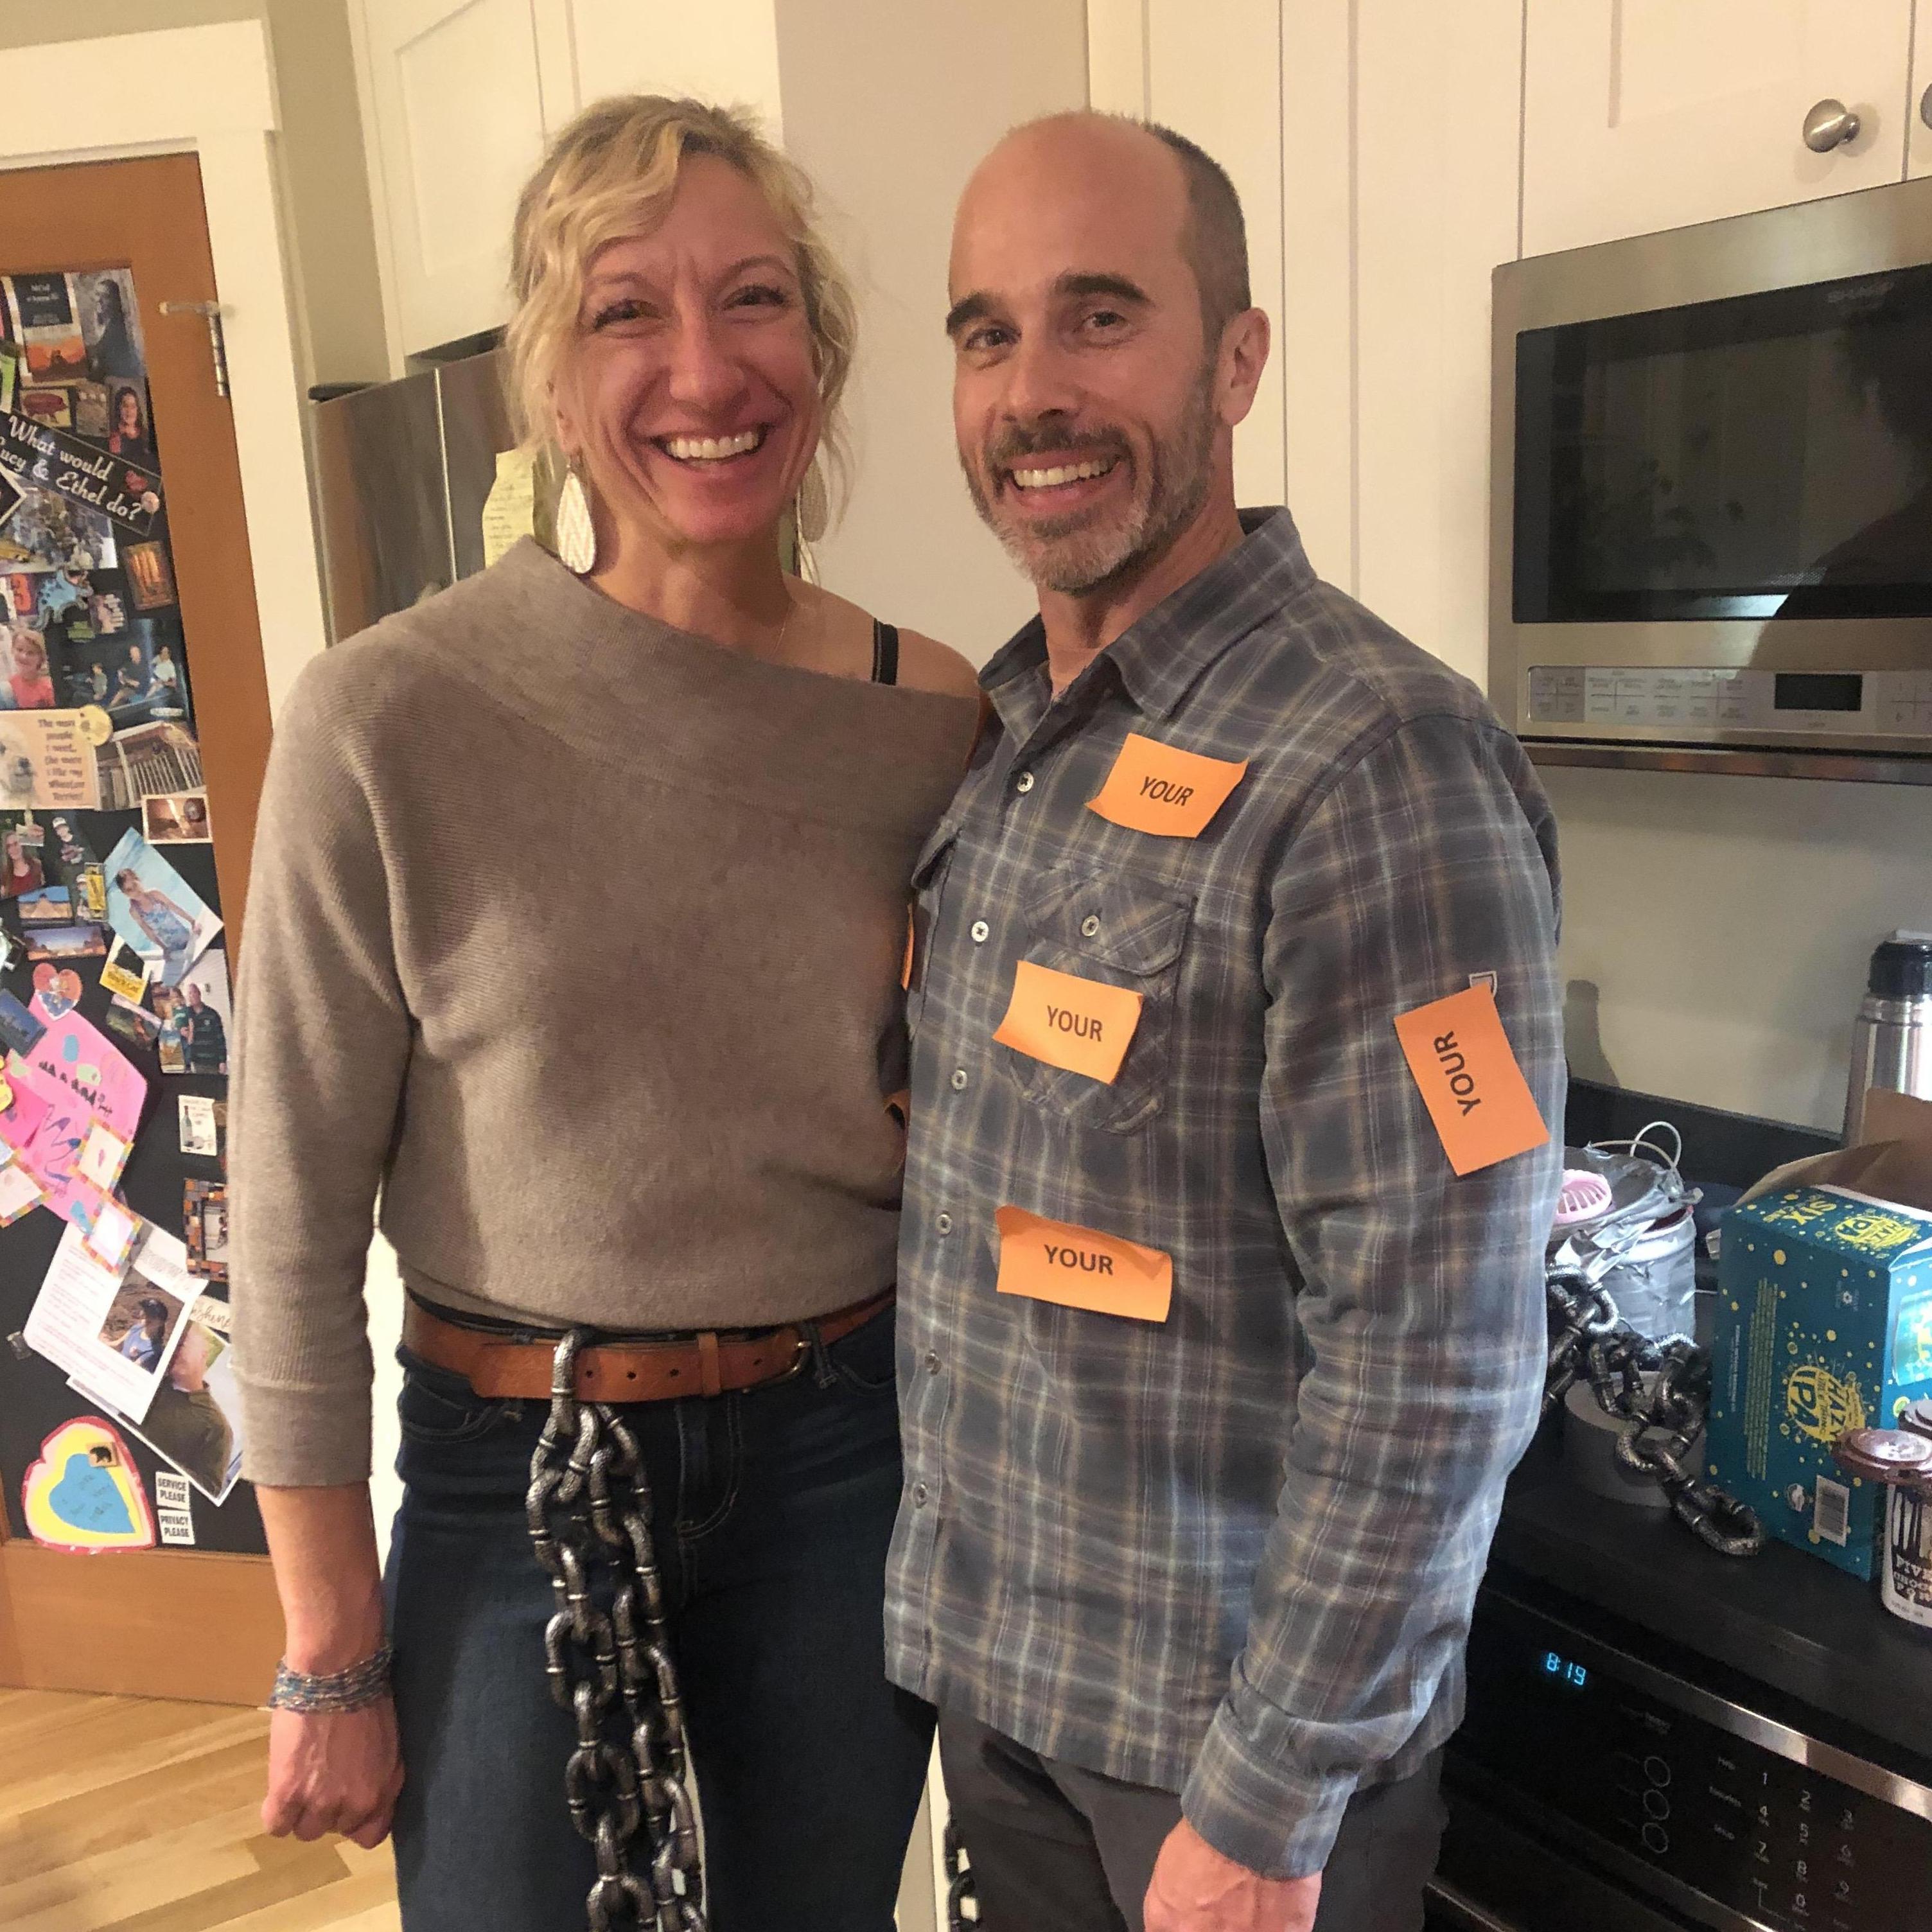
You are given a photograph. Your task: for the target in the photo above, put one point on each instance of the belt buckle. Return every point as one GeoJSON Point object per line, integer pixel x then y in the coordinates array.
{"type": "Point", "coordinates": [801, 1349]}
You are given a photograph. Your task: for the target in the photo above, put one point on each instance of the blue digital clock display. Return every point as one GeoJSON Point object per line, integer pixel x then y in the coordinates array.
{"type": "Point", "coordinates": [1564, 1671]}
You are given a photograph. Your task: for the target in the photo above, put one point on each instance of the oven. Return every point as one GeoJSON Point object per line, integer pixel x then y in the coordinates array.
{"type": "Point", "coordinates": [1711, 466]}
{"type": "Point", "coordinates": [1606, 1783]}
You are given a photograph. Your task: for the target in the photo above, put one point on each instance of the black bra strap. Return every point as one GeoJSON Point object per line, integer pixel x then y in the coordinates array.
{"type": "Point", "coordinates": [885, 653]}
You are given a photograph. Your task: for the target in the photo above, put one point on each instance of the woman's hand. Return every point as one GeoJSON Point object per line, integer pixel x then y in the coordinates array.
{"type": "Point", "coordinates": [333, 1771]}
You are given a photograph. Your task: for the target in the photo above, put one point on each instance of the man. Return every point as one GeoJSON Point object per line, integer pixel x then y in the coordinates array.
{"type": "Point", "coordinates": [207, 1036]}
{"type": "Point", "coordinates": [185, 1423]}
{"type": "Point", "coordinates": [146, 1341]}
{"type": "Point", "coordinates": [1213, 1363]}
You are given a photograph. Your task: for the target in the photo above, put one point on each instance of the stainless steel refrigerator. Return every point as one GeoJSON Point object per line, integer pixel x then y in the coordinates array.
{"type": "Point", "coordinates": [401, 471]}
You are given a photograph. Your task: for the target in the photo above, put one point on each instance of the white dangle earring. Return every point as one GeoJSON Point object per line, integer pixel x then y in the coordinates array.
{"type": "Point", "coordinates": [576, 529]}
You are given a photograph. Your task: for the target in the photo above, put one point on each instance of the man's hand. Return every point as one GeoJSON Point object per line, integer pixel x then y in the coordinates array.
{"type": "Point", "coordinates": [338, 1771]}
{"type": "Point", "coordinates": [1195, 1889]}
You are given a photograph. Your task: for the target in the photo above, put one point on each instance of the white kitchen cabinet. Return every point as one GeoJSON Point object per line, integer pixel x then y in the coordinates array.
{"type": "Point", "coordinates": [1919, 98]}
{"type": "Point", "coordinates": [454, 99]}
{"type": "Point", "coordinates": [1641, 115]}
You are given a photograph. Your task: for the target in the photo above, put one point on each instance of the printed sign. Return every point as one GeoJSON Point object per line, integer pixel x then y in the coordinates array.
{"type": "Point", "coordinates": [1159, 788]}
{"type": "Point", "coordinates": [46, 761]}
{"type": "Point", "coordinates": [1069, 1021]}
{"type": "Point", "coordinates": [126, 495]}
{"type": "Point", "coordinates": [1475, 1092]}
{"type": "Point", "coordinates": [1080, 1268]}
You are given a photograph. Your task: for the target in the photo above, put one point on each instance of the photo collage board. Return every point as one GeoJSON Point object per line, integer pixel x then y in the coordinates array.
{"type": "Point", "coordinates": [119, 1427]}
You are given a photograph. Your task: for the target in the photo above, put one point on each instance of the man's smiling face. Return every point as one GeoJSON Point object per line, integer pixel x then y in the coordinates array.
{"type": "Point", "coordinates": [1084, 397]}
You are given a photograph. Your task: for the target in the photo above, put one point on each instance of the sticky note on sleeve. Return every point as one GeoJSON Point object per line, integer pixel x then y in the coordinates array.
{"type": "Point", "coordinates": [1461, 1059]}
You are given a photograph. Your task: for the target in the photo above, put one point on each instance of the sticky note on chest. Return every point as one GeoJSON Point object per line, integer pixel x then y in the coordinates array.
{"type": "Point", "coordinates": [1481, 1105]}
{"type": "Point", "coordinates": [1080, 1268]}
{"type": "Point", "coordinates": [1069, 1021]}
{"type": "Point", "coordinates": [1158, 788]}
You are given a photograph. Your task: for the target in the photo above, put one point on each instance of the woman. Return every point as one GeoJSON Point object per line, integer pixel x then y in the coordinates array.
{"type": "Point", "coordinates": [163, 923]}
{"type": "Point", "coordinates": [129, 437]}
{"type": "Point", "coordinates": [18, 873]}
{"type": "Point", "coordinates": [627, 1072]}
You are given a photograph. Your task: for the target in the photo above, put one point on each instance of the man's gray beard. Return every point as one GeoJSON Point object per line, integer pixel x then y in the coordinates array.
{"type": "Point", "coordinates": [1077, 563]}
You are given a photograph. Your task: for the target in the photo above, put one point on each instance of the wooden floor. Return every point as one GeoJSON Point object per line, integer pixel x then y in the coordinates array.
{"type": "Point", "coordinates": [128, 1814]}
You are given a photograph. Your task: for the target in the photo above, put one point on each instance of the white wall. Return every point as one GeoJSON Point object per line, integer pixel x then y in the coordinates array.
{"type": "Point", "coordinates": [890, 106]}
{"type": "Point", "coordinates": [1726, 923]}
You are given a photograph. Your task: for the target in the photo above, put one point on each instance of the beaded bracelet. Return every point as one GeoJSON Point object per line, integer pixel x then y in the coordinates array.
{"type": "Point", "coordinates": [354, 1689]}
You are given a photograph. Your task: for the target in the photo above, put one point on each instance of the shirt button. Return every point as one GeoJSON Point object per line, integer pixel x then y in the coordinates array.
{"type": "Point", "coordinates": [982, 932]}
{"type": "Point", "coordinates": [931, 1362]}
{"type": "Point", "coordinates": [1090, 926]}
{"type": "Point", "coordinates": [959, 1080]}
{"type": "Point", "coordinates": [1024, 783]}
{"type": "Point", "coordinates": [944, 1224]}
{"type": "Point", "coordinates": [919, 1496]}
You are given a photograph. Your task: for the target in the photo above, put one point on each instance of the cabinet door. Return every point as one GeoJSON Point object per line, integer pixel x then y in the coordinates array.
{"type": "Point", "coordinates": [725, 50]}
{"type": "Point", "coordinates": [1642, 114]}
{"type": "Point", "coordinates": [458, 98]}
{"type": "Point", "coordinates": [1918, 101]}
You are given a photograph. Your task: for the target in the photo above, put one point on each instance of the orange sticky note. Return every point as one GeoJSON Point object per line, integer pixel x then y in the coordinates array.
{"type": "Point", "coordinates": [1080, 1268]}
{"type": "Point", "coordinates": [1069, 1021]}
{"type": "Point", "coordinates": [1158, 788]}
{"type": "Point", "coordinates": [1475, 1092]}
{"type": "Point", "coordinates": [905, 965]}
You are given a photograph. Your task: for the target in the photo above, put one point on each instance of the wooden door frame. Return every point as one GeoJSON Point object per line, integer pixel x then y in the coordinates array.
{"type": "Point", "coordinates": [207, 92]}
{"type": "Point", "coordinates": [210, 91]}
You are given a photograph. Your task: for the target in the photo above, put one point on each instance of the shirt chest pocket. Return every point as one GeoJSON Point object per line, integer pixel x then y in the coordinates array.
{"type": "Point", "coordinates": [929, 893]}
{"type": "Point", "coordinates": [1119, 932]}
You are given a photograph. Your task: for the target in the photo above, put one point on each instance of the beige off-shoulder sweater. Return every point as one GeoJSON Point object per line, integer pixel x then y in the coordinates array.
{"type": "Point", "coordinates": [577, 939]}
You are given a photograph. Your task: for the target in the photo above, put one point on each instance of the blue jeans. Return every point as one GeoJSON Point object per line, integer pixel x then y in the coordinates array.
{"type": "Point", "coordinates": [774, 1509]}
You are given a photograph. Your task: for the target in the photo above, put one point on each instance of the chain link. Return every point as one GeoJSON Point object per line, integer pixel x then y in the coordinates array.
{"type": "Point", "coordinates": [627, 1781]}
{"type": "Point", "coordinates": [1589, 1339]}
{"type": "Point", "coordinates": [962, 1904]}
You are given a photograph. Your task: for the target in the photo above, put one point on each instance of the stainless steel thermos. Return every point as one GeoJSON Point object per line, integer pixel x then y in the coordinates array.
{"type": "Point", "coordinates": [1892, 1039]}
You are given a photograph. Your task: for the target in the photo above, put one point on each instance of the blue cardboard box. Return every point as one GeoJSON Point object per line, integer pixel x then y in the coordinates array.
{"type": "Point", "coordinates": [1824, 1325]}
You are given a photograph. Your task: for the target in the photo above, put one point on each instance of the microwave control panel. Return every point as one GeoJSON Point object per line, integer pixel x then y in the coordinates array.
{"type": "Point", "coordinates": [1771, 1841]}
{"type": "Point", "coordinates": [1624, 698]}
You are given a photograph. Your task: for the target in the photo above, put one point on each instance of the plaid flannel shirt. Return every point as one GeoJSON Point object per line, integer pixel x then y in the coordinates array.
{"type": "Point", "coordinates": [1233, 1555]}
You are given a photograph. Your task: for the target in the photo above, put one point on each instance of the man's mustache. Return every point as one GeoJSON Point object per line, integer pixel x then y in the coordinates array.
{"type": "Point", "coordinates": [1024, 440]}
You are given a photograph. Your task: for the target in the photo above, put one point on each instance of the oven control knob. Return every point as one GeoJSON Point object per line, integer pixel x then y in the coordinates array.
{"type": "Point", "coordinates": [1656, 1804]}
{"type": "Point", "coordinates": [1657, 1770]}
{"type": "Point", "coordinates": [1656, 1839]}
{"type": "Point", "coordinates": [1829, 125]}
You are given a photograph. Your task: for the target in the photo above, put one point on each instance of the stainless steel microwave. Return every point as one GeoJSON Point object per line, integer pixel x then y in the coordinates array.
{"type": "Point", "coordinates": [1711, 539]}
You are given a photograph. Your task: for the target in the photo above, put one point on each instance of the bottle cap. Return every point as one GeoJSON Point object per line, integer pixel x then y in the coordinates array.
{"type": "Point", "coordinates": [1883, 1455]}
{"type": "Point", "coordinates": [1901, 968]}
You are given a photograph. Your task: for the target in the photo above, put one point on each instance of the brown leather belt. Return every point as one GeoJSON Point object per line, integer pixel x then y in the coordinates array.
{"type": "Point", "coordinates": [709, 1363]}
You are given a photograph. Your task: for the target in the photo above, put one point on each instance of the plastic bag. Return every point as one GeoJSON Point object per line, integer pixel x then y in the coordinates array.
{"type": "Point", "coordinates": [1641, 1247]}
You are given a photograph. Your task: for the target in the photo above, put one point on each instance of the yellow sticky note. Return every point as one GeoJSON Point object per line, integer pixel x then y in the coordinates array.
{"type": "Point", "coordinates": [1481, 1105]}
{"type": "Point", "coordinates": [1069, 1021]}
{"type": "Point", "coordinates": [1160, 788]}
{"type": "Point", "coordinates": [1080, 1268]}
{"type": "Point", "coordinates": [510, 511]}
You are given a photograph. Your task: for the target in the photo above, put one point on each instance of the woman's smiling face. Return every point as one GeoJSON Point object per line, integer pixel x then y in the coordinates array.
{"type": "Point", "coordinates": [690, 394]}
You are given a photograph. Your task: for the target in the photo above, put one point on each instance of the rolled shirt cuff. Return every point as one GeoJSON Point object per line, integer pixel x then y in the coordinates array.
{"type": "Point", "coordinates": [1277, 1819]}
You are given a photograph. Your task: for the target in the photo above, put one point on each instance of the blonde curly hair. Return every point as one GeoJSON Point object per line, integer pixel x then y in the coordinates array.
{"type": "Point", "coordinates": [610, 174]}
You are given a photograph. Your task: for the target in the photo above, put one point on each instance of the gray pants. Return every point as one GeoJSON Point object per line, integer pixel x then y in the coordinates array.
{"type": "Point", "coordinates": [1056, 1849]}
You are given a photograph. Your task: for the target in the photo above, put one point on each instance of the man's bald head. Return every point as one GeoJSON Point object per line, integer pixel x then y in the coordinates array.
{"type": "Point", "coordinates": [1213, 235]}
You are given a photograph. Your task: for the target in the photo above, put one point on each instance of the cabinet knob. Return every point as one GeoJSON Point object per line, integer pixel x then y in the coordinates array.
{"type": "Point", "coordinates": [1925, 107]}
{"type": "Point", "coordinates": [1831, 124]}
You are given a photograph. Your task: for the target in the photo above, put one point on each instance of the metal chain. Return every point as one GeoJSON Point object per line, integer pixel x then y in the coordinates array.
{"type": "Point", "coordinates": [1589, 1338]}
{"type": "Point", "coordinates": [589, 1510]}
{"type": "Point", "coordinates": [959, 1892]}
